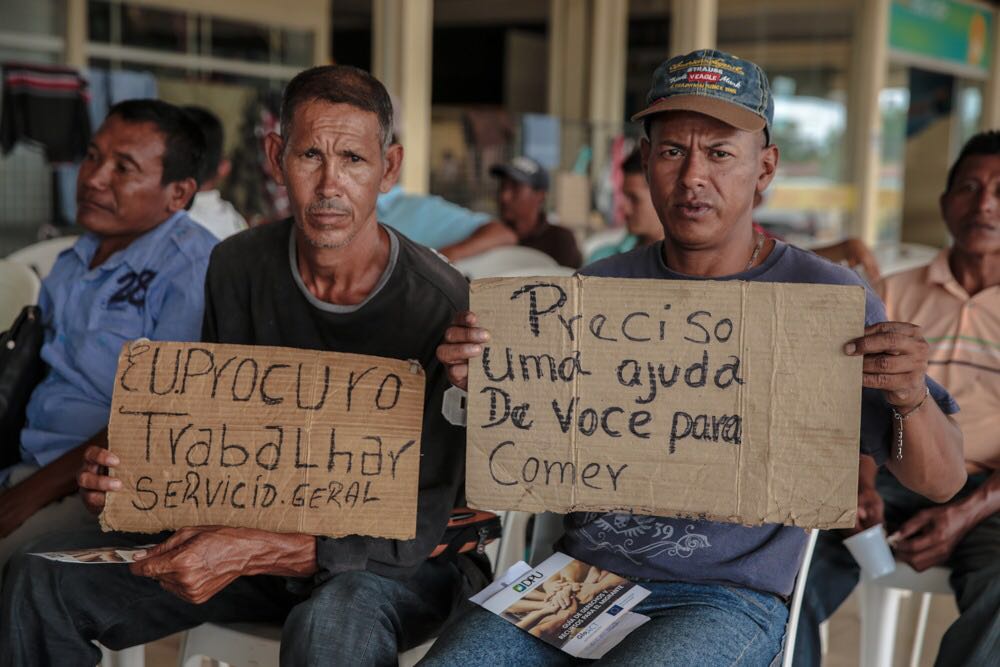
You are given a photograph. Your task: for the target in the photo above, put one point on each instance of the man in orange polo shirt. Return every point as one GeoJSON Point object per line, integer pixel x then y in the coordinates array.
{"type": "Point", "coordinates": [956, 301]}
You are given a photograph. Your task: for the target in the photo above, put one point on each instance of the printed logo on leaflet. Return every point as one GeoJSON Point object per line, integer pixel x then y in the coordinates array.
{"type": "Point", "coordinates": [526, 583]}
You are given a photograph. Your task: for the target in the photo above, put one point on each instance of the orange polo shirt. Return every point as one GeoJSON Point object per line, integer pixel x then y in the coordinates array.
{"type": "Point", "coordinates": [964, 336]}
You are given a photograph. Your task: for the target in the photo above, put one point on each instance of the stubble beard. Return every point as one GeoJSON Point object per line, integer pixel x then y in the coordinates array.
{"type": "Point", "coordinates": [327, 245]}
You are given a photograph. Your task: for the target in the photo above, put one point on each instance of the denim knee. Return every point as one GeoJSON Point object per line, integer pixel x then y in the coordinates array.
{"type": "Point", "coordinates": [346, 620]}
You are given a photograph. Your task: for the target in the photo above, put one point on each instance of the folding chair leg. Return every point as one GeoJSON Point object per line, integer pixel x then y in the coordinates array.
{"type": "Point", "coordinates": [879, 618]}
{"type": "Point", "coordinates": [921, 630]}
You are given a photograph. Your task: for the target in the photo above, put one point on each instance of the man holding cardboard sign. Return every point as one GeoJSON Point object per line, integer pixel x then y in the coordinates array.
{"type": "Point", "coordinates": [718, 590]}
{"type": "Point", "coordinates": [331, 279]}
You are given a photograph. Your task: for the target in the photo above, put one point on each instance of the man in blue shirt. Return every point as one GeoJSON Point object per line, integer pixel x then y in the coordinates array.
{"type": "Point", "coordinates": [718, 590]}
{"type": "Point", "coordinates": [138, 271]}
{"type": "Point", "coordinates": [454, 231]}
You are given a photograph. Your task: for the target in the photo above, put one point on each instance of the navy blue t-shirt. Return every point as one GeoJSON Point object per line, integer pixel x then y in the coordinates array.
{"type": "Point", "coordinates": [765, 558]}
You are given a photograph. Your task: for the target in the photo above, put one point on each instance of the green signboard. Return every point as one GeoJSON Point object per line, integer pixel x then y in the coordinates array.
{"type": "Point", "coordinates": [943, 30]}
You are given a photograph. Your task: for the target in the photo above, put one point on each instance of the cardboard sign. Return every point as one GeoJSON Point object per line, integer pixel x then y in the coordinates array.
{"type": "Point", "coordinates": [287, 440]}
{"type": "Point", "coordinates": [731, 401]}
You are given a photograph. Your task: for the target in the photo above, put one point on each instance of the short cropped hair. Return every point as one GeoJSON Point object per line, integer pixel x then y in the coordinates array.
{"type": "Point", "coordinates": [211, 129]}
{"type": "Point", "coordinates": [184, 145]}
{"type": "Point", "coordinates": [984, 143]}
{"type": "Point", "coordinates": [633, 163]}
{"type": "Point", "coordinates": [339, 84]}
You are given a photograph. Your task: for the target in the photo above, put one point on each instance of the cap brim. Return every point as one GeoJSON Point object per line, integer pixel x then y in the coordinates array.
{"type": "Point", "coordinates": [506, 171]}
{"type": "Point", "coordinates": [727, 112]}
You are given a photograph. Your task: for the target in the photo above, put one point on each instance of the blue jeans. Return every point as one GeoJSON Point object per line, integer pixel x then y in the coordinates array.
{"type": "Point", "coordinates": [974, 639]}
{"type": "Point", "coordinates": [52, 611]}
{"type": "Point", "coordinates": [691, 624]}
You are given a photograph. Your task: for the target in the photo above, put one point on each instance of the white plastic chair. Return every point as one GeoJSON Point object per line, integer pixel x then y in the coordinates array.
{"type": "Point", "coordinates": [601, 239]}
{"type": "Point", "coordinates": [134, 656]}
{"type": "Point", "coordinates": [42, 255]}
{"type": "Point", "coordinates": [506, 262]}
{"type": "Point", "coordinates": [259, 644]}
{"type": "Point", "coordinates": [237, 644]}
{"type": "Point", "coordinates": [795, 608]}
{"type": "Point", "coordinates": [880, 600]}
{"type": "Point", "coordinates": [19, 287]}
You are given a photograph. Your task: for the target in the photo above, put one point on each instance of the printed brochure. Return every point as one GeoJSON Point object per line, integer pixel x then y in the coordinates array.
{"type": "Point", "coordinates": [576, 607]}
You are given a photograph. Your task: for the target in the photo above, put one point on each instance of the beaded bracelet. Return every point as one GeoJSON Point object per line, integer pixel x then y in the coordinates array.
{"type": "Point", "coordinates": [900, 418]}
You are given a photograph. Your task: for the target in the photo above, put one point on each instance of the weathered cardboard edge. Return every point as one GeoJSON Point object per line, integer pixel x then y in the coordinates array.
{"type": "Point", "coordinates": [106, 525]}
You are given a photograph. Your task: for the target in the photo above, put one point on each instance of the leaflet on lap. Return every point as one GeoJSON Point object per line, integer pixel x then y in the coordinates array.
{"type": "Point", "coordinates": [567, 603]}
{"type": "Point", "coordinates": [100, 556]}
{"type": "Point", "coordinates": [280, 439]}
{"type": "Point", "coordinates": [730, 401]}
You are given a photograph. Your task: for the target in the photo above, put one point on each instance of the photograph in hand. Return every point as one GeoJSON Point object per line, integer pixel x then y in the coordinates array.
{"type": "Point", "coordinates": [109, 555]}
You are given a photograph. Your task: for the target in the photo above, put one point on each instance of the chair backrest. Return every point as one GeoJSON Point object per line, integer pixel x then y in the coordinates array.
{"type": "Point", "coordinates": [601, 239]}
{"type": "Point", "coordinates": [501, 261]}
{"type": "Point", "coordinates": [514, 542]}
{"type": "Point", "coordinates": [935, 580]}
{"type": "Point", "coordinates": [42, 255]}
{"type": "Point", "coordinates": [796, 605]}
{"type": "Point", "coordinates": [19, 287]}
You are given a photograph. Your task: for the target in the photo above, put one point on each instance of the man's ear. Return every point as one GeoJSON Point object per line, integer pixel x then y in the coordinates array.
{"type": "Point", "coordinates": [768, 167]}
{"type": "Point", "coordinates": [179, 193]}
{"type": "Point", "coordinates": [392, 164]}
{"type": "Point", "coordinates": [644, 148]}
{"type": "Point", "coordinates": [274, 148]}
{"type": "Point", "coordinates": [225, 168]}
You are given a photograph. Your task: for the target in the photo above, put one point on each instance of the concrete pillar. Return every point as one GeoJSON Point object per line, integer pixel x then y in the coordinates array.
{"type": "Point", "coordinates": [569, 36]}
{"type": "Point", "coordinates": [609, 46]}
{"type": "Point", "coordinates": [386, 37]}
{"type": "Point", "coordinates": [692, 25]}
{"type": "Point", "coordinates": [869, 67]}
{"type": "Point", "coordinates": [402, 58]}
{"type": "Point", "coordinates": [321, 35]}
{"type": "Point", "coordinates": [991, 96]}
{"type": "Point", "coordinates": [76, 34]}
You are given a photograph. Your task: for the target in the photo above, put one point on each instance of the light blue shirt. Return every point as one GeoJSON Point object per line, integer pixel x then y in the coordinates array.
{"type": "Point", "coordinates": [154, 288]}
{"type": "Point", "coordinates": [427, 219]}
{"type": "Point", "coordinates": [610, 250]}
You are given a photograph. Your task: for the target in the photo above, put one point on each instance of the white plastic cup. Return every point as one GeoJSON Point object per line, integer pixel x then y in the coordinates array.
{"type": "Point", "coordinates": [871, 551]}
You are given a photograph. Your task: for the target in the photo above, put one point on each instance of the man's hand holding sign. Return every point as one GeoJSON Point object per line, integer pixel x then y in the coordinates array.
{"type": "Point", "coordinates": [657, 422]}
{"type": "Point", "coordinates": [251, 452]}
{"type": "Point", "coordinates": [895, 362]}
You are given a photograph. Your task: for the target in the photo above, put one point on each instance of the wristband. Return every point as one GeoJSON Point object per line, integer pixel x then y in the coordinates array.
{"type": "Point", "coordinates": [899, 418]}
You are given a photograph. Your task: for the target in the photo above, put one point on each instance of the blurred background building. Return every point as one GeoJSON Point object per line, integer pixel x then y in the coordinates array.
{"type": "Point", "coordinates": [873, 97]}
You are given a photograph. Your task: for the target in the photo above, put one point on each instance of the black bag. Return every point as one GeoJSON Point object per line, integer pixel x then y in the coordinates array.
{"type": "Point", "coordinates": [21, 369]}
{"type": "Point", "coordinates": [468, 530]}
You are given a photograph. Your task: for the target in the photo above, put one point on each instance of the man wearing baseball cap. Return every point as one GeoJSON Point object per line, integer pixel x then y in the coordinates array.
{"type": "Point", "coordinates": [521, 201]}
{"type": "Point", "coordinates": [719, 590]}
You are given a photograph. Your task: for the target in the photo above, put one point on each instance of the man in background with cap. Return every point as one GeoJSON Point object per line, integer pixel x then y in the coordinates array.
{"type": "Point", "coordinates": [521, 200]}
{"type": "Point", "coordinates": [718, 591]}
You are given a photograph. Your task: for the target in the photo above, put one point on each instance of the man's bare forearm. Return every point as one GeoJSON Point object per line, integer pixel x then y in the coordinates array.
{"type": "Point", "coordinates": [932, 459]}
{"type": "Point", "coordinates": [984, 502]}
{"type": "Point", "coordinates": [282, 554]}
{"type": "Point", "coordinates": [867, 469]}
{"type": "Point", "coordinates": [491, 235]}
{"type": "Point", "coordinates": [58, 479]}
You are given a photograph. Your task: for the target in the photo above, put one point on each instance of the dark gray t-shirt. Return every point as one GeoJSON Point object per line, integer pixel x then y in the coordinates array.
{"type": "Point", "coordinates": [765, 558]}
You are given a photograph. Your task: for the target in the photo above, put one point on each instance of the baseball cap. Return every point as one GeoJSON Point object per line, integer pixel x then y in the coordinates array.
{"type": "Point", "coordinates": [715, 83]}
{"type": "Point", "coordinates": [524, 170]}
